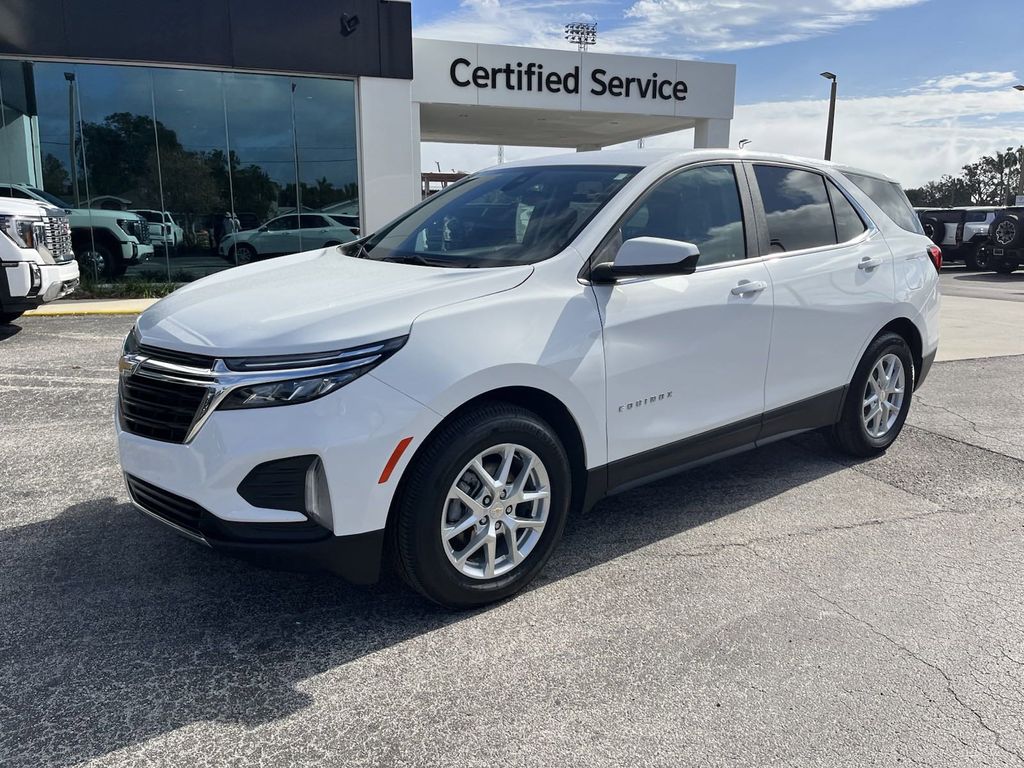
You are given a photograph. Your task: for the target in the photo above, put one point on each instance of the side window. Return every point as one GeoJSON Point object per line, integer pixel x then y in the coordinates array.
{"type": "Point", "coordinates": [888, 196]}
{"type": "Point", "coordinates": [283, 223]}
{"type": "Point", "coordinates": [313, 222]}
{"type": "Point", "coordinates": [699, 206]}
{"type": "Point", "coordinates": [797, 208]}
{"type": "Point", "coordinates": [848, 222]}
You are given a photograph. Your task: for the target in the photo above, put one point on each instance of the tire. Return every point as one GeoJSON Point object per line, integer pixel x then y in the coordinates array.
{"type": "Point", "coordinates": [980, 260]}
{"type": "Point", "coordinates": [98, 261]}
{"type": "Point", "coordinates": [244, 254]}
{"type": "Point", "coordinates": [851, 434]}
{"type": "Point", "coordinates": [1003, 267]}
{"type": "Point", "coordinates": [935, 229]}
{"type": "Point", "coordinates": [1006, 231]}
{"type": "Point", "coordinates": [427, 502]}
{"type": "Point", "coordinates": [9, 317]}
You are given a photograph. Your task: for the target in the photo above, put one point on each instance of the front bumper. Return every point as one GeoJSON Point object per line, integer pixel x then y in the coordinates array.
{"type": "Point", "coordinates": [353, 432]}
{"type": "Point", "coordinates": [283, 546]}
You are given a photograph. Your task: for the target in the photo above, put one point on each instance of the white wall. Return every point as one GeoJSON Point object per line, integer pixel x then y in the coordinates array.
{"type": "Point", "coordinates": [389, 163]}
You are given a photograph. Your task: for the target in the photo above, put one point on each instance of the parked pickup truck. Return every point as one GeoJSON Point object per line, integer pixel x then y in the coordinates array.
{"type": "Point", "coordinates": [36, 261]}
{"type": "Point", "coordinates": [960, 232]}
{"type": "Point", "coordinates": [1004, 251]}
{"type": "Point", "coordinates": [106, 242]}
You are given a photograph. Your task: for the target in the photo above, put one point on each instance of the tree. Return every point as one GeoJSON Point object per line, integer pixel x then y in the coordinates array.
{"type": "Point", "coordinates": [55, 177]}
{"type": "Point", "coordinates": [990, 180]}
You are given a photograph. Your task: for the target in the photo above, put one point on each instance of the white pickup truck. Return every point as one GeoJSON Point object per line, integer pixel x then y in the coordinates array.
{"type": "Point", "coordinates": [37, 263]}
{"type": "Point", "coordinates": [106, 242]}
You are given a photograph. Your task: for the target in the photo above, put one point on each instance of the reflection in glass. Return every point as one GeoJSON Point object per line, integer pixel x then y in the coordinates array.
{"type": "Point", "coordinates": [196, 159]}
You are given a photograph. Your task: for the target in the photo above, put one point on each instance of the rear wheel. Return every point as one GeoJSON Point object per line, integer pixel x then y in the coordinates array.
{"type": "Point", "coordinates": [878, 399]}
{"type": "Point", "coordinates": [483, 507]}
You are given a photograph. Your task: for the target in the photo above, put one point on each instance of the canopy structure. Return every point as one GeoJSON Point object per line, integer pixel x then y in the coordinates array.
{"type": "Point", "coordinates": [489, 94]}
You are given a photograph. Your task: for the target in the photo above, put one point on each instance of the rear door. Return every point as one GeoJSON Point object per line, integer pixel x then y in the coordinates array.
{"type": "Point", "coordinates": [832, 275]}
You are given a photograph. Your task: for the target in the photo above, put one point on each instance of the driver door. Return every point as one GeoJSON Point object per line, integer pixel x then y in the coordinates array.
{"type": "Point", "coordinates": [282, 236]}
{"type": "Point", "coordinates": [686, 355]}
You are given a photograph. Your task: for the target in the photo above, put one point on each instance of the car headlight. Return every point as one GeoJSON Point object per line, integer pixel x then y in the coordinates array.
{"type": "Point", "coordinates": [25, 232]}
{"type": "Point", "coordinates": [334, 370]}
{"type": "Point", "coordinates": [131, 342]}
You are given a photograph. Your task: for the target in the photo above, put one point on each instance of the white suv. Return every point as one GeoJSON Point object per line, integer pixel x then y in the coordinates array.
{"type": "Point", "coordinates": [523, 343]}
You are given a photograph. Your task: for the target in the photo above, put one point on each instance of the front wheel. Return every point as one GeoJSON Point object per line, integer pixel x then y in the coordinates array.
{"type": "Point", "coordinates": [878, 399]}
{"type": "Point", "coordinates": [483, 507]}
{"type": "Point", "coordinates": [244, 254]}
{"type": "Point", "coordinates": [9, 317]}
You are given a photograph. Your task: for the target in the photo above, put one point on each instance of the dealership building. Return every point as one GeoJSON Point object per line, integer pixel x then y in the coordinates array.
{"type": "Point", "coordinates": [254, 109]}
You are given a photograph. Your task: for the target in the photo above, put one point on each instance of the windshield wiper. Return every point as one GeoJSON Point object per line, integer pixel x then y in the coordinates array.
{"type": "Point", "coordinates": [411, 258]}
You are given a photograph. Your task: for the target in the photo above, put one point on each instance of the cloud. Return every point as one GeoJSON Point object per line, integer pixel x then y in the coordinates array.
{"type": "Point", "coordinates": [661, 27]}
{"type": "Point", "coordinates": [969, 81]}
{"type": "Point", "coordinates": [914, 136]}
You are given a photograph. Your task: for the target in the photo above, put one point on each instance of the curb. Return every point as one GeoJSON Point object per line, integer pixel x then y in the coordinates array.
{"type": "Point", "coordinates": [86, 307]}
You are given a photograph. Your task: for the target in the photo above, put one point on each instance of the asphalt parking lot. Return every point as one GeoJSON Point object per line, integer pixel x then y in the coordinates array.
{"type": "Point", "coordinates": [784, 607]}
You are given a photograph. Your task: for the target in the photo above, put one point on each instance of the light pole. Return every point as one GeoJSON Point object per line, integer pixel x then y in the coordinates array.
{"type": "Point", "coordinates": [1020, 166]}
{"type": "Point", "coordinates": [831, 113]}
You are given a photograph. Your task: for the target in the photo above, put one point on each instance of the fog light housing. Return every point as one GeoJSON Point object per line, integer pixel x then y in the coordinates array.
{"type": "Point", "coordinates": [37, 277]}
{"type": "Point", "coordinates": [318, 496]}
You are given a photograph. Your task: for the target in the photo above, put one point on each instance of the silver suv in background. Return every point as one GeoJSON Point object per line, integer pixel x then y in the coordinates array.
{"type": "Point", "coordinates": [960, 232]}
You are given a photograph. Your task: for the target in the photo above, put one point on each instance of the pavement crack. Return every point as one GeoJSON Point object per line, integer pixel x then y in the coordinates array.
{"type": "Point", "coordinates": [973, 424]}
{"type": "Point", "coordinates": [906, 650]}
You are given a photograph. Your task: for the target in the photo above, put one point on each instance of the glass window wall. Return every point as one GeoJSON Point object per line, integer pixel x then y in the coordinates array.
{"type": "Point", "coordinates": [174, 173]}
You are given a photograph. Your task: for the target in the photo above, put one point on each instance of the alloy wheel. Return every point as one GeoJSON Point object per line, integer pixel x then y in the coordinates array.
{"type": "Point", "coordinates": [883, 396]}
{"type": "Point", "coordinates": [495, 512]}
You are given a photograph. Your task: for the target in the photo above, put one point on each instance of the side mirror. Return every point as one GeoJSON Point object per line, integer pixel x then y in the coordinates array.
{"type": "Point", "coordinates": [648, 257]}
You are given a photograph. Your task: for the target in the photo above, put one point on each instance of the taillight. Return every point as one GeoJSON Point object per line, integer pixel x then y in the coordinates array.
{"type": "Point", "coordinates": [935, 254]}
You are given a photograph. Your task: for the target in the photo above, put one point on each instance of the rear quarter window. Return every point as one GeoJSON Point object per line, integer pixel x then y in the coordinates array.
{"type": "Point", "coordinates": [889, 196]}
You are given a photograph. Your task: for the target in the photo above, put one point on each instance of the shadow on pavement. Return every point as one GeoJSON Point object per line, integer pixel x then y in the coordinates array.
{"type": "Point", "coordinates": [7, 330]}
{"type": "Point", "coordinates": [113, 630]}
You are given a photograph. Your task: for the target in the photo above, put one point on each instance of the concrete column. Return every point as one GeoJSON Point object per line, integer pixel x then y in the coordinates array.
{"type": "Point", "coordinates": [588, 148]}
{"type": "Point", "coordinates": [711, 133]}
{"type": "Point", "coordinates": [389, 172]}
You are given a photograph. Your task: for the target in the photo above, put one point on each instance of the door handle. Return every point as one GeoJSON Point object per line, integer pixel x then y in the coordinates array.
{"type": "Point", "coordinates": [745, 287]}
{"type": "Point", "coordinates": [869, 262]}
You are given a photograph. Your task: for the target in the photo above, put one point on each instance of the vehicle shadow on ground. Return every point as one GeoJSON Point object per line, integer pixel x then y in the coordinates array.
{"type": "Point", "coordinates": [114, 631]}
{"type": "Point", "coordinates": [989, 277]}
{"type": "Point", "coordinates": [8, 330]}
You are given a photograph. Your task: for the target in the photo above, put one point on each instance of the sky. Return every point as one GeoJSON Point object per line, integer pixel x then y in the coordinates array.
{"type": "Point", "coordinates": [925, 86]}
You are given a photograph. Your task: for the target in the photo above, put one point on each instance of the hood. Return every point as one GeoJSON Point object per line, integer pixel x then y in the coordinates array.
{"type": "Point", "coordinates": [310, 302]}
{"type": "Point", "coordinates": [10, 206]}
{"type": "Point", "coordinates": [102, 214]}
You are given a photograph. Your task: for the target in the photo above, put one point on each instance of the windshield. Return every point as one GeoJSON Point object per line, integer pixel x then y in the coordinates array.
{"type": "Point", "coordinates": [500, 217]}
{"type": "Point", "coordinates": [52, 199]}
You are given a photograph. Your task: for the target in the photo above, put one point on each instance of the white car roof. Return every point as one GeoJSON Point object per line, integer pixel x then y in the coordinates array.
{"type": "Point", "coordinates": [652, 157]}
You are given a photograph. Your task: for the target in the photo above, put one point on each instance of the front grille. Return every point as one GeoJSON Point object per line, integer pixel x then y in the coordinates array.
{"type": "Point", "coordinates": [157, 409]}
{"type": "Point", "coordinates": [139, 228]}
{"type": "Point", "coordinates": [164, 504]}
{"type": "Point", "coordinates": [57, 237]}
{"type": "Point", "coordinates": [178, 358]}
